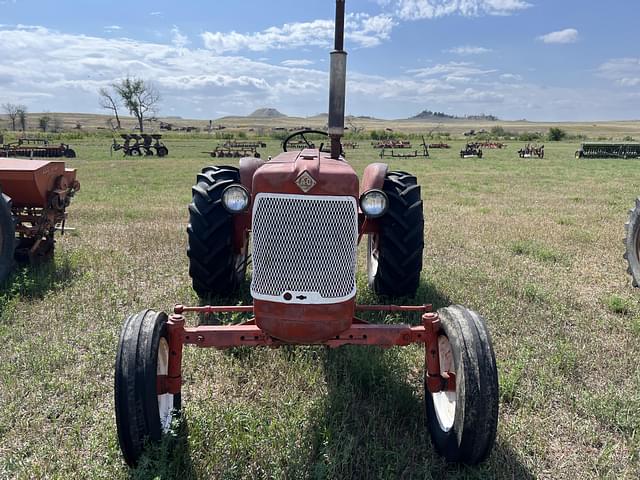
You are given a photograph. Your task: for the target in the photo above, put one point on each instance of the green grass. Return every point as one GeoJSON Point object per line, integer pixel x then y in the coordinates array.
{"type": "Point", "coordinates": [533, 245]}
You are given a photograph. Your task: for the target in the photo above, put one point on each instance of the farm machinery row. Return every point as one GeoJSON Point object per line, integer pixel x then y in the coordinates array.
{"type": "Point", "coordinates": [36, 148]}
{"type": "Point", "coordinates": [306, 212]}
{"type": "Point", "coordinates": [34, 196]}
{"type": "Point", "coordinates": [135, 145]}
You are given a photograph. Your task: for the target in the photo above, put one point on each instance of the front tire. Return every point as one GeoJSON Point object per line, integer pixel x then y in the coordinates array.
{"type": "Point", "coordinates": [463, 424]}
{"type": "Point", "coordinates": [142, 414]}
{"type": "Point", "coordinates": [214, 266]}
{"type": "Point", "coordinates": [632, 243]}
{"type": "Point", "coordinates": [7, 237]}
{"type": "Point", "coordinates": [395, 252]}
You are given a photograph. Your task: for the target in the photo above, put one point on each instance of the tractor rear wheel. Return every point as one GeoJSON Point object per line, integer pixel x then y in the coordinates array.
{"type": "Point", "coordinates": [632, 243]}
{"type": "Point", "coordinates": [7, 237]}
{"type": "Point", "coordinates": [395, 253]}
{"type": "Point", "coordinates": [214, 266]}
{"type": "Point", "coordinates": [463, 424]}
{"type": "Point", "coordinates": [143, 354]}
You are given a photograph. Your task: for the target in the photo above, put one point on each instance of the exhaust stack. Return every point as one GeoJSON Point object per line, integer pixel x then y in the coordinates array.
{"type": "Point", "coordinates": [337, 84]}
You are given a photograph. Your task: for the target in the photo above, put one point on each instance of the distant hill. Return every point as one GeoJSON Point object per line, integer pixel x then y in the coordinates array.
{"type": "Point", "coordinates": [429, 115]}
{"type": "Point", "coordinates": [267, 113]}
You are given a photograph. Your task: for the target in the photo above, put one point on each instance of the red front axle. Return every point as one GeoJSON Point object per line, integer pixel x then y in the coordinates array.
{"type": "Point", "coordinates": [361, 333]}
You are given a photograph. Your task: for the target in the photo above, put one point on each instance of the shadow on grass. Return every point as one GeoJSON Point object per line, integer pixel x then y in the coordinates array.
{"type": "Point", "coordinates": [171, 458]}
{"type": "Point", "coordinates": [372, 425]}
{"type": "Point", "coordinates": [35, 281]}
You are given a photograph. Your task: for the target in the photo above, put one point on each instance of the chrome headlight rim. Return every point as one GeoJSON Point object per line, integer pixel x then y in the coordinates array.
{"type": "Point", "coordinates": [245, 192]}
{"type": "Point", "coordinates": [374, 191]}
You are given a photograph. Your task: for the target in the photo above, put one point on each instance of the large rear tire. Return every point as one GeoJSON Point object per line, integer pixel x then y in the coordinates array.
{"type": "Point", "coordinates": [141, 414]}
{"type": "Point", "coordinates": [463, 424]}
{"type": "Point", "coordinates": [395, 253]}
{"type": "Point", "coordinates": [7, 237]}
{"type": "Point", "coordinates": [213, 265]}
{"type": "Point", "coordinates": [632, 243]}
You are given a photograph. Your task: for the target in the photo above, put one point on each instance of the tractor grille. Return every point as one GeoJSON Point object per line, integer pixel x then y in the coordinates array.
{"type": "Point", "coordinates": [304, 248]}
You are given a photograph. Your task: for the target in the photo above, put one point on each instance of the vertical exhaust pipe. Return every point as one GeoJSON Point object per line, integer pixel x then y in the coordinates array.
{"type": "Point", "coordinates": [337, 84]}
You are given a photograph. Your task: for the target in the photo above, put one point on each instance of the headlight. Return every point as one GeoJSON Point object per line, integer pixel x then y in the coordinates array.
{"type": "Point", "coordinates": [235, 198]}
{"type": "Point", "coordinates": [374, 203]}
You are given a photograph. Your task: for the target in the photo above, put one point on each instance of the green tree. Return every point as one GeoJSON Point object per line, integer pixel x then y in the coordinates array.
{"type": "Point", "coordinates": [139, 97]}
{"type": "Point", "coordinates": [556, 134]}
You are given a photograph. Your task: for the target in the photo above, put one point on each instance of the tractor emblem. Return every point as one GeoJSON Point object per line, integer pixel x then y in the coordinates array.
{"type": "Point", "coordinates": [305, 182]}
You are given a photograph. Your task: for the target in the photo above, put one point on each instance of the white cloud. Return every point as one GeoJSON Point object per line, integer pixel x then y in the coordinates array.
{"type": "Point", "coordinates": [569, 35]}
{"type": "Point", "coordinates": [178, 39]}
{"type": "Point", "coordinates": [297, 63]}
{"type": "Point", "coordinates": [63, 72]}
{"type": "Point", "coordinates": [155, 14]}
{"type": "Point", "coordinates": [623, 71]}
{"type": "Point", "coordinates": [360, 28]}
{"type": "Point", "coordinates": [468, 50]}
{"type": "Point", "coordinates": [421, 9]}
{"type": "Point", "coordinates": [112, 28]}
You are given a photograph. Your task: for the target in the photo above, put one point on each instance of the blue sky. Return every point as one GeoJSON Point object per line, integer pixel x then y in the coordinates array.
{"type": "Point", "coordinates": [535, 59]}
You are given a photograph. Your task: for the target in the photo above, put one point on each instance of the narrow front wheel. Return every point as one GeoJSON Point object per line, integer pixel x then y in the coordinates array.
{"type": "Point", "coordinates": [463, 423]}
{"type": "Point", "coordinates": [141, 413]}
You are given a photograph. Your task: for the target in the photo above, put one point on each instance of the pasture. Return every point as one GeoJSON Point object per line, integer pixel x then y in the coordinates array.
{"type": "Point", "coordinates": [533, 245]}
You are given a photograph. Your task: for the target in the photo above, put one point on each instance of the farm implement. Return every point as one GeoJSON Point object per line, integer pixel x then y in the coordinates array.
{"type": "Point", "coordinates": [34, 196]}
{"type": "Point", "coordinates": [415, 154]}
{"type": "Point", "coordinates": [137, 145]}
{"type": "Point", "coordinates": [609, 150]}
{"type": "Point", "coordinates": [306, 211]}
{"type": "Point", "coordinates": [237, 150]}
{"type": "Point", "coordinates": [439, 145]}
{"type": "Point", "coordinates": [36, 147]}
{"type": "Point", "coordinates": [530, 151]}
{"type": "Point", "coordinates": [471, 150]}
{"type": "Point", "coordinates": [391, 144]}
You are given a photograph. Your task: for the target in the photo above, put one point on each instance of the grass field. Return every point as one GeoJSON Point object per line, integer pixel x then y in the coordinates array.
{"type": "Point", "coordinates": [533, 245]}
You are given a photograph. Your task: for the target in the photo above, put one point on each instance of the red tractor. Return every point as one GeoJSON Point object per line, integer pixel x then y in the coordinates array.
{"type": "Point", "coordinates": [307, 211]}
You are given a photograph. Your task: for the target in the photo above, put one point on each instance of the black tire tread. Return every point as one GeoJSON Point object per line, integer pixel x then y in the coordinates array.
{"type": "Point", "coordinates": [137, 416]}
{"type": "Point", "coordinates": [7, 237]}
{"type": "Point", "coordinates": [401, 238]}
{"type": "Point", "coordinates": [473, 435]}
{"type": "Point", "coordinates": [210, 231]}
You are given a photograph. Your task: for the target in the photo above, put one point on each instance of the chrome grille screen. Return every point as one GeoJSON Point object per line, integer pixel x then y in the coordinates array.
{"type": "Point", "coordinates": [304, 248]}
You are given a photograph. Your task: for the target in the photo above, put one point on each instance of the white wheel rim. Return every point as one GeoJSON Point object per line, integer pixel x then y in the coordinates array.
{"type": "Point", "coordinates": [372, 258]}
{"type": "Point", "coordinates": [165, 401]}
{"type": "Point", "coordinates": [444, 403]}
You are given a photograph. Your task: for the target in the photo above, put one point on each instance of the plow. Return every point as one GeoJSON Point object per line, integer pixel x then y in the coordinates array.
{"type": "Point", "coordinates": [36, 148]}
{"type": "Point", "coordinates": [34, 196]}
{"type": "Point", "coordinates": [530, 151]}
{"type": "Point", "coordinates": [305, 212]}
{"type": "Point", "coordinates": [137, 145]}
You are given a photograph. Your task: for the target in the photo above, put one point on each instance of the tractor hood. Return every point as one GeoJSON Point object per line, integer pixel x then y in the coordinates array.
{"type": "Point", "coordinates": [306, 172]}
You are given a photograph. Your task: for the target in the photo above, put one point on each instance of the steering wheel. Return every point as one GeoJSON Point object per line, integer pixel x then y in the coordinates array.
{"type": "Point", "coordinates": [302, 133]}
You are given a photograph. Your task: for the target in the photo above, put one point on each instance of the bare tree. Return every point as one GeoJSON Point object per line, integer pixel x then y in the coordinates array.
{"type": "Point", "coordinates": [22, 117]}
{"type": "Point", "coordinates": [109, 101]}
{"type": "Point", "coordinates": [139, 97]}
{"type": "Point", "coordinates": [11, 109]}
